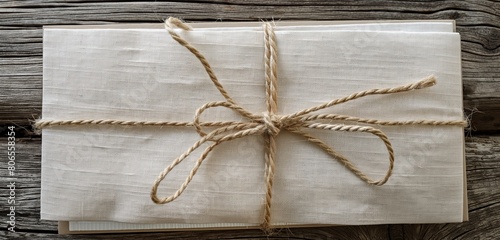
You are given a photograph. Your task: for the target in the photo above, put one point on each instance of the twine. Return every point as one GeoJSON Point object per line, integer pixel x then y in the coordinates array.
{"type": "Point", "coordinates": [269, 124]}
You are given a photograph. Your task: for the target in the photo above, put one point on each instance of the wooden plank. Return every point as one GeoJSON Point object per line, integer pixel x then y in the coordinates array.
{"type": "Point", "coordinates": [483, 171]}
{"type": "Point", "coordinates": [21, 38]}
{"type": "Point", "coordinates": [340, 233]}
{"type": "Point", "coordinates": [477, 21]}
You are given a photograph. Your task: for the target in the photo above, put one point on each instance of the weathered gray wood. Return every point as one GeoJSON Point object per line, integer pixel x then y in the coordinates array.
{"type": "Point", "coordinates": [340, 233]}
{"type": "Point", "coordinates": [483, 171]}
{"type": "Point", "coordinates": [478, 22]}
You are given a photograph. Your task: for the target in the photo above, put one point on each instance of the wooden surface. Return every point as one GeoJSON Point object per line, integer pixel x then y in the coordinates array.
{"type": "Point", "coordinates": [478, 22]}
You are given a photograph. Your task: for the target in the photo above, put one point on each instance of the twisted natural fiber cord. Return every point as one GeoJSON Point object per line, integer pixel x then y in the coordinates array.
{"type": "Point", "coordinates": [170, 24]}
{"type": "Point", "coordinates": [271, 56]}
{"type": "Point", "coordinates": [268, 124]}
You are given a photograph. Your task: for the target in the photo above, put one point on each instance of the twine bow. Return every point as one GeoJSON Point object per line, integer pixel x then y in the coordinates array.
{"type": "Point", "coordinates": [268, 124]}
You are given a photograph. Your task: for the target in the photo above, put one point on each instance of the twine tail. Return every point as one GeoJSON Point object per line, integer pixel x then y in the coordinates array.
{"type": "Point", "coordinates": [172, 23]}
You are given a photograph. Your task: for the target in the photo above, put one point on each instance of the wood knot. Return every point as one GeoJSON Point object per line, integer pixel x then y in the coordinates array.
{"type": "Point", "coordinates": [272, 122]}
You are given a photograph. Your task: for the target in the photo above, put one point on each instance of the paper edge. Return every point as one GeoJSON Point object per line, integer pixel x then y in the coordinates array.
{"type": "Point", "coordinates": [63, 229]}
{"type": "Point", "coordinates": [465, 210]}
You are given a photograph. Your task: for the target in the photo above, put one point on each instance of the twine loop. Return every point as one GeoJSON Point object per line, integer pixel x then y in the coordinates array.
{"type": "Point", "coordinates": [268, 124]}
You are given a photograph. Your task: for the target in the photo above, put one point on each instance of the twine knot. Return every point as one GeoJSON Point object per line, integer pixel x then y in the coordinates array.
{"type": "Point", "coordinates": [272, 123]}
{"type": "Point", "coordinates": [269, 124]}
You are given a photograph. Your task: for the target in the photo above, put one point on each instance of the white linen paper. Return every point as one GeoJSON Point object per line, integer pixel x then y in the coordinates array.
{"type": "Point", "coordinates": [104, 173]}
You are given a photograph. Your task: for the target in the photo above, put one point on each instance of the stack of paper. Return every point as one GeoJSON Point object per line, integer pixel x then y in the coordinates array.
{"type": "Point", "coordinates": [99, 177]}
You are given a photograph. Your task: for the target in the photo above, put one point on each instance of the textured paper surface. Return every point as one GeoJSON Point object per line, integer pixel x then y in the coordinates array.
{"type": "Point", "coordinates": [105, 173]}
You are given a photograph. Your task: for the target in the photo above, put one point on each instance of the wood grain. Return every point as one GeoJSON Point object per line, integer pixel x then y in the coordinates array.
{"type": "Point", "coordinates": [483, 171]}
{"type": "Point", "coordinates": [21, 38]}
{"type": "Point", "coordinates": [478, 22]}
